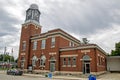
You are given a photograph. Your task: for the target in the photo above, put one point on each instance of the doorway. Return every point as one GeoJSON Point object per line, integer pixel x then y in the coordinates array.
{"type": "Point", "coordinates": [86, 64]}
{"type": "Point", "coordinates": [52, 66]}
{"type": "Point", "coordinates": [86, 69]}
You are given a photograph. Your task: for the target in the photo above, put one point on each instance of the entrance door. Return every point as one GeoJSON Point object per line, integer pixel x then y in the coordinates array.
{"type": "Point", "coordinates": [52, 66]}
{"type": "Point", "coordinates": [86, 68]}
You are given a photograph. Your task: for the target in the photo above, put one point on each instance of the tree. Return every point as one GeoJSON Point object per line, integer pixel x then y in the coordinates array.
{"type": "Point", "coordinates": [6, 57]}
{"type": "Point", "coordinates": [116, 52]}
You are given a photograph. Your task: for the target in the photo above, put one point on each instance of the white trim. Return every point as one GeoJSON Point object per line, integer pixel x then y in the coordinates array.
{"type": "Point", "coordinates": [64, 66]}
{"type": "Point", "coordinates": [52, 53]}
{"type": "Point", "coordinates": [22, 54]}
{"type": "Point", "coordinates": [73, 65]}
{"type": "Point", "coordinates": [68, 55]}
{"type": "Point", "coordinates": [31, 22]}
{"type": "Point", "coordinates": [58, 33]}
{"type": "Point", "coordinates": [86, 60]}
{"type": "Point", "coordinates": [84, 47]}
{"type": "Point", "coordinates": [85, 51]}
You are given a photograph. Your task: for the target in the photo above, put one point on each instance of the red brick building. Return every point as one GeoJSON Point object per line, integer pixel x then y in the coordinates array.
{"type": "Point", "coordinates": [56, 50]}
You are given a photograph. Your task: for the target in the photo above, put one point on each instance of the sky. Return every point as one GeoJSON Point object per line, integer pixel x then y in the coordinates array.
{"type": "Point", "coordinates": [96, 20]}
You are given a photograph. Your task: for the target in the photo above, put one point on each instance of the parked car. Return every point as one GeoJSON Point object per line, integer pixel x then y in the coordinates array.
{"type": "Point", "coordinates": [14, 72]}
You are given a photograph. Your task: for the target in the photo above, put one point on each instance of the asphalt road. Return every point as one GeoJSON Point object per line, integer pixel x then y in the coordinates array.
{"type": "Point", "coordinates": [12, 77]}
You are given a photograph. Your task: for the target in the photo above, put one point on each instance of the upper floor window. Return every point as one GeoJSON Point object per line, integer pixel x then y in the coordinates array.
{"type": "Point", "coordinates": [23, 45]}
{"type": "Point", "coordinates": [43, 44]}
{"type": "Point", "coordinates": [34, 45]}
{"type": "Point", "coordinates": [71, 44]}
{"type": "Point", "coordinates": [53, 42]}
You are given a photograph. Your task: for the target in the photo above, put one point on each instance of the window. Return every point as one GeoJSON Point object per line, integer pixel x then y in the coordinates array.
{"type": "Point", "coordinates": [42, 60]}
{"type": "Point", "coordinates": [34, 59]}
{"type": "Point", "coordinates": [69, 61]}
{"type": "Point", "coordinates": [73, 60]}
{"type": "Point", "coordinates": [43, 44]}
{"type": "Point", "coordinates": [33, 63]}
{"type": "Point", "coordinates": [53, 42]}
{"type": "Point", "coordinates": [64, 61]}
{"type": "Point", "coordinates": [71, 44]}
{"type": "Point", "coordinates": [23, 45]}
{"type": "Point", "coordinates": [34, 45]}
{"type": "Point", "coordinates": [99, 60]}
{"type": "Point", "coordinates": [22, 62]}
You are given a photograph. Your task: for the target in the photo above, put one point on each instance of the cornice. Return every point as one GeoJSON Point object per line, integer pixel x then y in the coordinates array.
{"type": "Point", "coordinates": [31, 22]}
{"type": "Point", "coordinates": [84, 47]}
{"type": "Point", "coordinates": [57, 33]}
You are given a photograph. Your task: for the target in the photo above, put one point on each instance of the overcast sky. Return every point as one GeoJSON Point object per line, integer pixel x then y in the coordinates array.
{"type": "Point", "coordinates": [97, 20]}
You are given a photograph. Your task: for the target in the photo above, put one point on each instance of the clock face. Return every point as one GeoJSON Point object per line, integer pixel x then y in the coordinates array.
{"type": "Point", "coordinates": [33, 14]}
{"type": "Point", "coordinates": [36, 15]}
{"type": "Point", "coordinates": [29, 14]}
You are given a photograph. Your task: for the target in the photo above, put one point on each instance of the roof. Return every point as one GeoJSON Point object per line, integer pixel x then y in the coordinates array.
{"type": "Point", "coordinates": [83, 46]}
{"type": "Point", "coordinates": [55, 32]}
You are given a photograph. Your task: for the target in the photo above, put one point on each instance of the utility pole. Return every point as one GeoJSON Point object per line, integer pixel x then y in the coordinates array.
{"type": "Point", "coordinates": [4, 54]}
{"type": "Point", "coordinates": [11, 57]}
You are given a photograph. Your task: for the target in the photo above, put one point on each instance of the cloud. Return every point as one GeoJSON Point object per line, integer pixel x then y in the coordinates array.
{"type": "Point", "coordinates": [95, 19]}
{"type": "Point", "coordinates": [107, 37]}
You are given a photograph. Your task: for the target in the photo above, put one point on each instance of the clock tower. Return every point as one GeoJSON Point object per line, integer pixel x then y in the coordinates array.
{"type": "Point", "coordinates": [33, 14]}
{"type": "Point", "coordinates": [31, 27]}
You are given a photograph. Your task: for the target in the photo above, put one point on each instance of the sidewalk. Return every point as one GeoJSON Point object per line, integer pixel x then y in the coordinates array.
{"type": "Point", "coordinates": [57, 77]}
{"type": "Point", "coordinates": [53, 77]}
{"type": "Point", "coordinates": [2, 71]}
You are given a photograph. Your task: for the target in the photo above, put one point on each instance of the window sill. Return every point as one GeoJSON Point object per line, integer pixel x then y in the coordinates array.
{"type": "Point", "coordinates": [41, 66]}
{"type": "Point", "coordinates": [22, 50]}
{"type": "Point", "coordinates": [42, 48]}
{"type": "Point", "coordinates": [69, 66]}
{"type": "Point", "coordinates": [52, 46]}
{"type": "Point", "coordinates": [64, 66]}
{"type": "Point", "coordinates": [34, 49]}
{"type": "Point", "coordinates": [73, 65]}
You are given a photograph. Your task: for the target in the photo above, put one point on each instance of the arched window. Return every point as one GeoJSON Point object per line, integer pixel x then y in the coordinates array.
{"type": "Point", "coordinates": [42, 60]}
{"type": "Point", "coordinates": [86, 58]}
{"type": "Point", "coordinates": [52, 59]}
{"type": "Point", "coordinates": [34, 59]}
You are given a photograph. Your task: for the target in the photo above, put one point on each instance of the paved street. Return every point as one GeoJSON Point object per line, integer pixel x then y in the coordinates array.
{"type": "Point", "coordinates": [11, 77]}
{"type": "Point", "coordinates": [3, 76]}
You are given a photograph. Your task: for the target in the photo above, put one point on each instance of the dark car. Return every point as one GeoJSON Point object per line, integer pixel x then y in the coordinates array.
{"type": "Point", "coordinates": [14, 72]}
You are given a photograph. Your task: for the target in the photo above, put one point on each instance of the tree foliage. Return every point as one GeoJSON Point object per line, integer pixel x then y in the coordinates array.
{"type": "Point", "coordinates": [6, 58]}
{"type": "Point", "coordinates": [116, 52]}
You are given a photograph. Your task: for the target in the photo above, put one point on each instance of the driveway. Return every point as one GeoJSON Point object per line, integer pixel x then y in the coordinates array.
{"type": "Point", "coordinates": [110, 76]}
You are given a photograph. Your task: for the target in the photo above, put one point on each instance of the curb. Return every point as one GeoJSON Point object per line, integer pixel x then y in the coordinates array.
{"type": "Point", "coordinates": [54, 77]}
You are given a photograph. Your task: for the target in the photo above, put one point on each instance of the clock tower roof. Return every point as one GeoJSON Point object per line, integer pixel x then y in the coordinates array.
{"type": "Point", "coordinates": [34, 6]}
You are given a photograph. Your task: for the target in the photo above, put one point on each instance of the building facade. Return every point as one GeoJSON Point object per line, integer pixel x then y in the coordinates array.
{"type": "Point", "coordinates": [56, 50]}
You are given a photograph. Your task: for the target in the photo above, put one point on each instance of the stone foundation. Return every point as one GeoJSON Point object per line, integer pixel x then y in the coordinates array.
{"type": "Point", "coordinates": [67, 73]}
